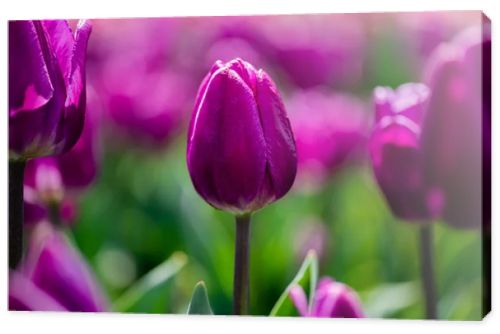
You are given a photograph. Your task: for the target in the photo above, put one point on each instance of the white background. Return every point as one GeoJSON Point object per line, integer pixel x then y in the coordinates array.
{"type": "Point", "coordinates": [149, 324]}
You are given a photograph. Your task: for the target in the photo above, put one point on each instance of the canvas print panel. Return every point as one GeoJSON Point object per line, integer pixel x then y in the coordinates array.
{"type": "Point", "coordinates": [333, 165]}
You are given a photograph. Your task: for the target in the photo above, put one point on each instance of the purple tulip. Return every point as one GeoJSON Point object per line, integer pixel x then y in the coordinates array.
{"type": "Point", "coordinates": [452, 138]}
{"type": "Point", "coordinates": [46, 86]}
{"type": "Point", "coordinates": [55, 267]}
{"type": "Point", "coordinates": [241, 151]}
{"type": "Point", "coordinates": [395, 151]}
{"type": "Point", "coordinates": [331, 300]}
{"type": "Point", "coordinates": [327, 128]}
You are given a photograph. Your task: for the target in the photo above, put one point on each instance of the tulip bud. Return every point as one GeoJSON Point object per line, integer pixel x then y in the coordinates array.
{"type": "Point", "coordinates": [46, 86]}
{"type": "Point", "coordinates": [396, 151]}
{"type": "Point", "coordinates": [57, 268]}
{"type": "Point", "coordinates": [331, 300]}
{"type": "Point", "coordinates": [241, 151]}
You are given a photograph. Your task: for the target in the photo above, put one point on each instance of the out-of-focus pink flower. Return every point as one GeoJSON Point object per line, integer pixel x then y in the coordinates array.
{"type": "Point", "coordinates": [148, 109]}
{"type": "Point", "coordinates": [56, 276]}
{"type": "Point", "coordinates": [144, 97]}
{"type": "Point", "coordinates": [331, 300]}
{"type": "Point", "coordinates": [422, 32]}
{"type": "Point", "coordinates": [459, 73]}
{"type": "Point", "coordinates": [318, 50]}
{"type": "Point", "coordinates": [328, 128]}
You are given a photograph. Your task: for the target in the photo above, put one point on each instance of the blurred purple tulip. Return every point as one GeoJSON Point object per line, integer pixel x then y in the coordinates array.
{"type": "Point", "coordinates": [452, 136]}
{"type": "Point", "coordinates": [241, 151]}
{"type": "Point", "coordinates": [396, 153]}
{"type": "Point", "coordinates": [46, 86]}
{"type": "Point", "coordinates": [331, 300]}
{"type": "Point", "coordinates": [56, 267]}
{"type": "Point", "coordinates": [24, 295]}
{"type": "Point", "coordinates": [144, 97]}
{"type": "Point", "coordinates": [57, 275]}
{"type": "Point", "coordinates": [148, 109]}
{"type": "Point", "coordinates": [327, 128]}
{"type": "Point", "coordinates": [311, 58]}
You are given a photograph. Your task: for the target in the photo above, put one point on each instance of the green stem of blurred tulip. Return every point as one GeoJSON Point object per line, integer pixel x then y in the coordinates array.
{"type": "Point", "coordinates": [241, 291]}
{"type": "Point", "coordinates": [16, 208]}
{"type": "Point", "coordinates": [427, 271]}
{"type": "Point", "coordinates": [54, 214]}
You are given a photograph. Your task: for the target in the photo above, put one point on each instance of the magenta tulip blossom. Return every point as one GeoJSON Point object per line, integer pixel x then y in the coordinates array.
{"type": "Point", "coordinates": [396, 153]}
{"type": "Point", "coordinates": [46, 86]}
{"type": "Point", "coordinates": [452, 136]}
{"type": "Point", "coordinates": [57, 275]}
{"type": "Point", "coordinates": [331, 300]}
{"type": "Point", "coordinates": [241, 150]}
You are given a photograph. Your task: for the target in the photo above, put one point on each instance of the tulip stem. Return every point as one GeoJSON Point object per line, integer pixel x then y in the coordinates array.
{"type": "Point", "coordinates": [54, 214]}
{"type": "Point", "coordinates": [241, 273]}
{"type": "Point", "coordinates": [427, 271]}
{"type": "Point", "coordinates": [16, 207]}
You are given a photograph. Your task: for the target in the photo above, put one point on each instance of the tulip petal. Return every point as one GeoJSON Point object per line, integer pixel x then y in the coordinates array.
{"type": "Point", "coordinates": [26, 296]}
{"type": "Point", "coordinates": [62, 42]}
{"type": "Point", "coordinates": [299, 299]}
{"type": "Point", "coordinates": [30, 86]}
{"type": "Point", "coordinates": [29, 81]}
{"type": "Point", "coordinates": [75, 104]}
{"type": "Point", "coordinates": [58, 269]}
{"type": "Point", "coordinates": [280, 144]}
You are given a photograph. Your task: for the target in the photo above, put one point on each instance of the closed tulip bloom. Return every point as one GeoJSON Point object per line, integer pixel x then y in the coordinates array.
{"type": "Point", "coordinates": [396, 151]}
{"type": "Point", "coordinates": [57, 268]}
{"type": "Point", "coordinates": [331, 300]}
{"type": "Point", "coordinates": [452, 137]}
{"type": "Point", "coordinates": [46, 86]}
{"type": "Point", "coordinates": [241, 150]}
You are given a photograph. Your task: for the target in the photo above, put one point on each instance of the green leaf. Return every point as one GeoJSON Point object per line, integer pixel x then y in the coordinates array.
{"type": "Point", "coordinates": [306, 277]}
{"type": "Point", "coordinates": [199, 303]}
{"type": "Point", "coordinates": [151, 286]}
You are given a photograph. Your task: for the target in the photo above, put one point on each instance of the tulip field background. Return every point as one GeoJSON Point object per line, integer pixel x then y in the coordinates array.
{"type": "Point", "coordinates": [142, 209]}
